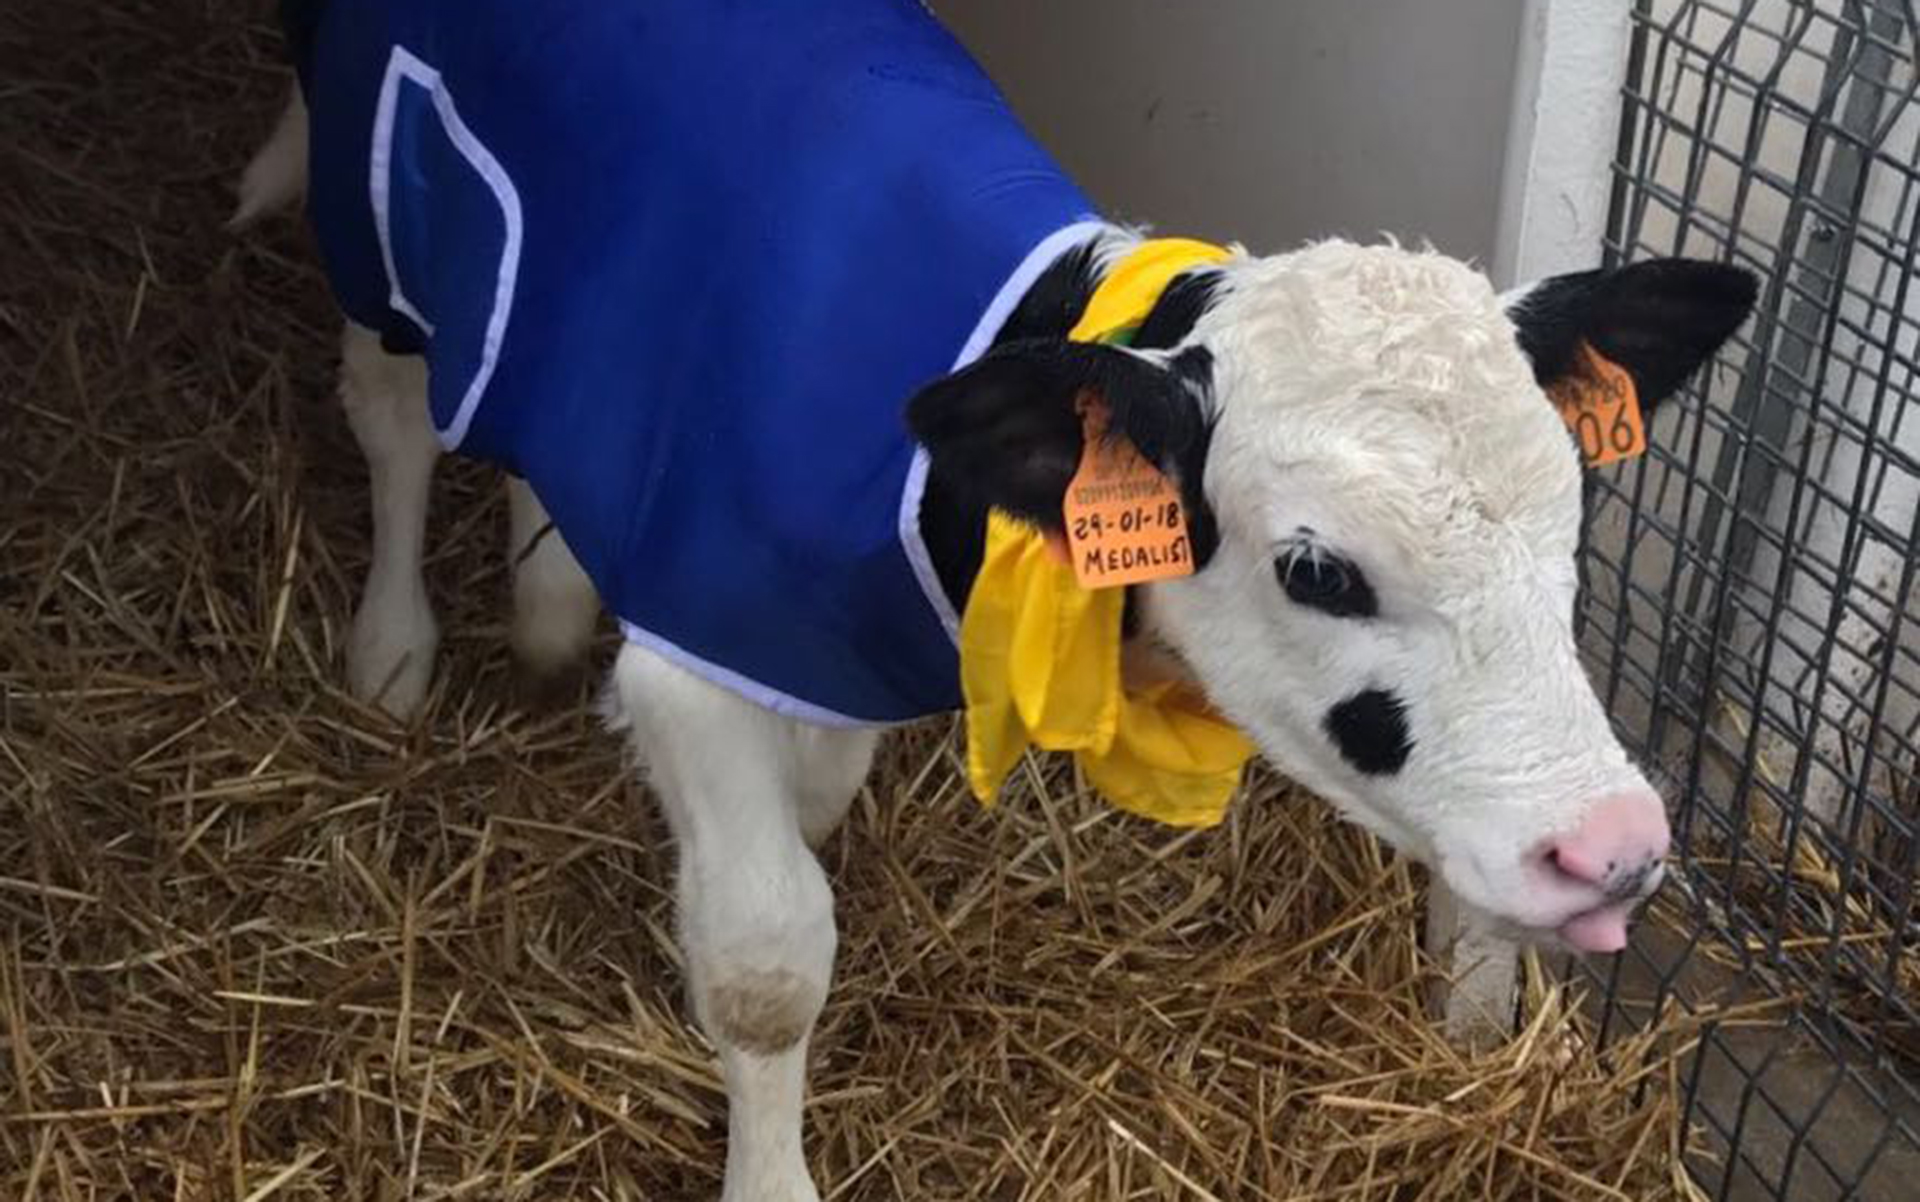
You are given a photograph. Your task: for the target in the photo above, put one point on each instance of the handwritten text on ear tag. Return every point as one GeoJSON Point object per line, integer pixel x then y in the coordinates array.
{"type": "Point", "coordinates": [1600, 405]}
{"type": "Point", "coordinates": [1125, 520]}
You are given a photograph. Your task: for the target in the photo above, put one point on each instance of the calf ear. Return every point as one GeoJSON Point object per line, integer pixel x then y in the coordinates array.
{"type": "Point", "coordinates": [1660, 319]}
{"type": "Point", "coordinates": [1006, 427]}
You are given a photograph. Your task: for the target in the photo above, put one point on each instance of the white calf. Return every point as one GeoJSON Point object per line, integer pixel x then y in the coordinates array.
{"type": "Point", "coordinates": [1384, 510]}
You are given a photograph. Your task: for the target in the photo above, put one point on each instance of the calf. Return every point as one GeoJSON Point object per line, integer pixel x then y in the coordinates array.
{"type": "Point", "coordinates": [783, 318]}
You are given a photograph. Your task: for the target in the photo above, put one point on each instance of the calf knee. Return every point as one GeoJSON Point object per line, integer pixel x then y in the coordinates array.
{"type": "Point", "coordinates": [760, 972]}
{"type": "Point", "coordinates": [762, 1011]}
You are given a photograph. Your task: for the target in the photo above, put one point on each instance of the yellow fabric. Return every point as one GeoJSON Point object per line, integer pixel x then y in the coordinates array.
{"type": "Point", "coordinates": [1040, 656]}
{"type": "Point", "coordinates": [1129, 290]}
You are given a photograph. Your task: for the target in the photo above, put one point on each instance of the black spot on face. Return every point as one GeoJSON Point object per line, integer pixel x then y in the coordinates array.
{"type": "Point", "coordinates": [1370, 729]}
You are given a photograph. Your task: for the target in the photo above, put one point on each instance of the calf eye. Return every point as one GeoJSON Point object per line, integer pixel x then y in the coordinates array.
{"type": "Point", "coordinates": [1316, 582]}
{"type": "Point", "coordinates": [1318, 579]}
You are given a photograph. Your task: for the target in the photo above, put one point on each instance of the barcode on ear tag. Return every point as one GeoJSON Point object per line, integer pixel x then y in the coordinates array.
{"type": "Point", "coordinates": [1599, 403]}
{"type": "Point", "coordinates": [1125, 522]}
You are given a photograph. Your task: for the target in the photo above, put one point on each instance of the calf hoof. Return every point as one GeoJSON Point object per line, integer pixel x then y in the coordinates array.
{"type": "Point", "coordinates": [390, 656]}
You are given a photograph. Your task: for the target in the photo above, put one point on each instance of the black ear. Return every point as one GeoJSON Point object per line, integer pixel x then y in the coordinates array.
{"type": "Point", "coordinates": [1660, 319]}
{"type": "Point", "coordinates": [1005, 427]}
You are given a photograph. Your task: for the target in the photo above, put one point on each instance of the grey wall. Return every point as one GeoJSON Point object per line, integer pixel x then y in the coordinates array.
{"type": "Point", "coordinates": [1266, 121]}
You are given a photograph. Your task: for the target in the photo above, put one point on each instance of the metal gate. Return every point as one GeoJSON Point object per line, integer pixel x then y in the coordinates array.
{"type": "Point", "coordinates": [1751, 614]}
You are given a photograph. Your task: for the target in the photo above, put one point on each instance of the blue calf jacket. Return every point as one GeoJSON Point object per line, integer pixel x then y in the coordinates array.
{"type": "Point", "coordinates": [680, 264]}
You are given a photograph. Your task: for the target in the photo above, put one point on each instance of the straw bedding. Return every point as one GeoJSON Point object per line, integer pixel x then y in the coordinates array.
{"type": "Point", "coordinates": [257, 942]}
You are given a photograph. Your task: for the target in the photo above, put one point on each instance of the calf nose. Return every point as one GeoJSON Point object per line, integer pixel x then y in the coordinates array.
{"type": "Point", "coordinates": [1617, 847]}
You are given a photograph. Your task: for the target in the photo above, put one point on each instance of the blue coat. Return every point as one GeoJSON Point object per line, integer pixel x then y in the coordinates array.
{"type": "Point", "coordinates": [680, 264]}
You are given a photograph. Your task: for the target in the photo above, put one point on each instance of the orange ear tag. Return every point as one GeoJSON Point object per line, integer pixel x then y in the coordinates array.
{"type": "Point", "coordinates": [1600, 405]}
{"type": "Point", "coordinates": [1125, 522]}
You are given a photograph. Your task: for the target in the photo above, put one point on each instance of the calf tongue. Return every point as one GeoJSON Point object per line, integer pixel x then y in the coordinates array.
{"type": "Point", "coordinates": [1601, 929]}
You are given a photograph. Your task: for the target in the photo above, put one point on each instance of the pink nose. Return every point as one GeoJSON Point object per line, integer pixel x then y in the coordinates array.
{"type": "Point", "coordinates": [1618, 846]}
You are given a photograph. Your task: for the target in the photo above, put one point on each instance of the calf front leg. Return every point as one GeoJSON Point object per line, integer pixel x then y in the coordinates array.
{"type": "Point", "coordinates": [756, 911]}
{"type": "Point", "coordinates": [390, 648]}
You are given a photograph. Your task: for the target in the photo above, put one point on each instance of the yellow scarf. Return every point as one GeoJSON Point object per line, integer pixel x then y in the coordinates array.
{"type": "Point", "coordinates": [1040, 656]}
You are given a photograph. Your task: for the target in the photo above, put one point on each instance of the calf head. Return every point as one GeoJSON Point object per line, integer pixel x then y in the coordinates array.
{"type": "Point", "coordinates": [1385, 510]}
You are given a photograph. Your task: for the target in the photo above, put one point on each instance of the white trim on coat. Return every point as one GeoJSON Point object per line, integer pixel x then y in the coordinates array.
{"type": "Point", "coordinates": [402, 64]}
{"type": "Point", "coordinates": [985, 330]}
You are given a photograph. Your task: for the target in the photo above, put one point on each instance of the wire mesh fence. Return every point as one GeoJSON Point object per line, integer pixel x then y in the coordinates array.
{"type": "Point", "coordinates": [1751, 613]}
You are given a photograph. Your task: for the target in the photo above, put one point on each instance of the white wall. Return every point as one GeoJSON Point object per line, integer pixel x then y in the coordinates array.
{"type": "Point", "coordinates": [1266, 121]}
